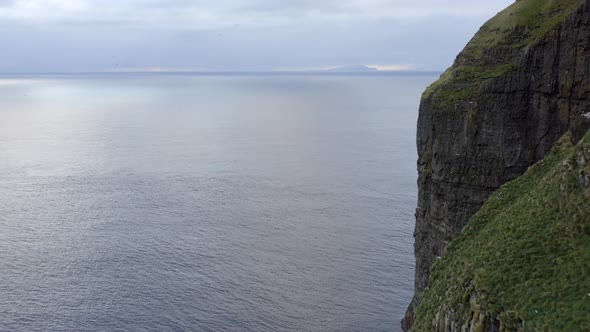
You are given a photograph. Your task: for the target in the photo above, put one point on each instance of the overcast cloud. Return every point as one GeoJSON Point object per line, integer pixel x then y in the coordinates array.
{"type": "Point", "coordinates": [109, 35]}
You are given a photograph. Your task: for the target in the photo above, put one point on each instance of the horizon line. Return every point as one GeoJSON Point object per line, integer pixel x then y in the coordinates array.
{"type": "Point", "coordinates": [229, 72]}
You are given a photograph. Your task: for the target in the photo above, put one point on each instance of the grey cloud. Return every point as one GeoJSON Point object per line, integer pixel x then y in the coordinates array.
{"type": "Point", "coordinates": [6, 3]}
{"type": "Point", "coordinates": [245, 48]}
{"type": "Point", "coordinates": [106, 35]}
{"type": "Point", "coordinates": [374, 8]}
{"type": "Point", "coordinates": [218, 12]}
{"type": "Point", "coordinates": [268, 6]}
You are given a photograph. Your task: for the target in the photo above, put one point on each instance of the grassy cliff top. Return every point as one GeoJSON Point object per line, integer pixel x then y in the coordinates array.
{"type": "Point", "coordinates": [499, 44]}
{"type": "Point", "coordinates": [524, 258]}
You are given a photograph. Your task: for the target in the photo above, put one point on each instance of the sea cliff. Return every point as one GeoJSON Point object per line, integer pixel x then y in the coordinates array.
{"type": "Point", "coordinates": [519, 86]}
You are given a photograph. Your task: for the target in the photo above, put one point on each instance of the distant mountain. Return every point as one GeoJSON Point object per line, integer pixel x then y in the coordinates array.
{"type": "Point", "coordinates": [357, 68]}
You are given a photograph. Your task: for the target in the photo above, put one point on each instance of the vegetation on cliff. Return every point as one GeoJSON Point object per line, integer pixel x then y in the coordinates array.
{"type": "Point", "coordinates": [522, 262]}
{"type": "Point", "coordinates": [498, 46]}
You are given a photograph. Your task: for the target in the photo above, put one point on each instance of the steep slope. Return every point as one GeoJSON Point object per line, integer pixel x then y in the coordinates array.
{"type": "Point", "coordinates": [517, 87]}
{"type": "Point", "coordinates": [522, 262]}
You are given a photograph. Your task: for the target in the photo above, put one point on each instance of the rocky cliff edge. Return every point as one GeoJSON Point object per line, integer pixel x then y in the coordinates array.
{"type": "Point", "coordinates": [520, 84]}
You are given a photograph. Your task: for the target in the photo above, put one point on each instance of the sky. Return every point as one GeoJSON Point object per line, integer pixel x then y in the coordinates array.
{"type": "Point", "coordinates": [235, 35]}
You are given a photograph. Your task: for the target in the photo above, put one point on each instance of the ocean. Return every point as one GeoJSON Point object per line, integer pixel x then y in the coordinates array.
{"type": "Point", "coordinates": [169, 202]}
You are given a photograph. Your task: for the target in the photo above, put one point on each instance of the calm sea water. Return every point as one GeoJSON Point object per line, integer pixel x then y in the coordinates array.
{"type": "Point", "coordinates": [207, 203]}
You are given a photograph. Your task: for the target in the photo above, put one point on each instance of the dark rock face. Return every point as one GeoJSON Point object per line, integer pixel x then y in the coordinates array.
{"type": "Point", "coordinates": [470, 147]}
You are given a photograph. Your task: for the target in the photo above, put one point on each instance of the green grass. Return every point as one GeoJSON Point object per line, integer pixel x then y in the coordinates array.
{"type": "Point", "coordinates": [498, 46]}
{"type": "Point", "coordinates": [538, 16]}
{"type": "Point", "coordinates": [524, 258]}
